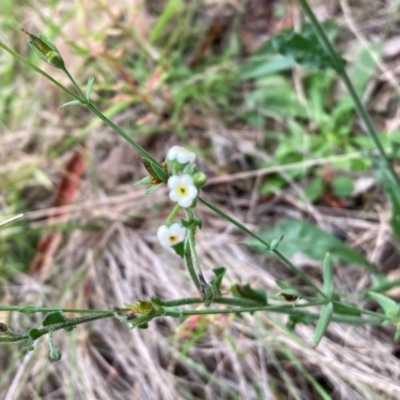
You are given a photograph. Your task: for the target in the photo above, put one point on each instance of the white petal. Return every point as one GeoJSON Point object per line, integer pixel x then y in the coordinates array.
{"type": "Point", "coordinates": [162, 235]}
{"type": "Point", "coordinates": [173, 181]}
{"type": "Point", "coordinates": [174, 195]}
{"type": "Point", "coordinates": [192, 192]}
{"type": "Point", "coordinates": [172, 152]}
{"type": "Point", "coordinates": [185, 202]}
{"type": "Point", "coordinates": [186, 180]}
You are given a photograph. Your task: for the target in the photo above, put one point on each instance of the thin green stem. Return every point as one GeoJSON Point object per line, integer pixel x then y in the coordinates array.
{"type": "Point", "coordinates": [33, 309]}
{"type": "Point", "coordinates": [231, 301]}
{"type": "Point", "coordinates": [266, 244]}
{"type": "Point", "coordinates": [62, 325]}
{"type": "Point", "coordinates": [76, 86]}
{"type": "Point", "coordinates": [190, 267]}
{"type": "Point", "coordinates": [108, 122]}
{"type": "Point", "coordinates": [35, 68]}
{"type": "Point", "coordinates": [172, 215]}
{"type": "Point", "coordinates": [370, 129]}
{"type": "Point", "coordinates": [192, 242]}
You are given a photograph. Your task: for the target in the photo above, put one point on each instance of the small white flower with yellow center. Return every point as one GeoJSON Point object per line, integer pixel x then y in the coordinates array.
{"type": "Point", "coordinates": [170, 236]}
{"type": "Point", "coordinates": [181, 155]}
{"type": "Point", "coordinates": [182, 190]}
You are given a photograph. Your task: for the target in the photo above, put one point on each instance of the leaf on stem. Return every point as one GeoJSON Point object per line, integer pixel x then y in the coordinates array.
{"type": "Point", "coordinates": [247, 292]}
{"type": "Point", "coordinates": [55, 317]}
{"type": "Point", "coordinates": [327, 275]}
{"type": "Point", "coordinates": [217, 280]}
{"type": "Point", "coordinates": [89, 87]}
{"type": "Point", "coordinates": [322, 324]}
{"type": "Point", "coordinates": [388, 305]}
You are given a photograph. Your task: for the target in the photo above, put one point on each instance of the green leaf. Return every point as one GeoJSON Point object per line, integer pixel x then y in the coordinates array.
{"type": "Point", "coordinates": [169, 9]}
{"type": "Point", "coordinates": [179, 249]}
{"type": "Point", "coordinates": [327, 274]}
{"type": "Point", "coordinates": [247, 292]}
{"type": "Point", "coordinates": [28, 309]}
{"type": "Point", "coordinates": [392, 191]}
{"type": "Point", "coordinates": [216, 282]}
{"type": "Point", "coordinates": [305, 49]}
{"type": "Point", "coordinates": [315, 190]}
{"type": "Point", "coordinates": [161, 174]}
{"type": "Point", "coordinates": [275, 243]}
{"type": "Point", "coordinates": [322, 324]}
{"type": "Point", "coordinates": [53, 318]}
{"type": "Point", "coordinates": [70, 103]}
{"type": "Point", "coordinates": [144, 181]}
{"type": "Point", "coordinates": [34, 333]}
{"type": "Point", "coordinates": [303, 237]}
{"type": "Point", "coordinates": [388, 305]}
{"type": "Point", "coordinates": [343, 186]}
{"type": "Point", "coordinates": [300, 318]}
{"type": "Point", "coordinates": [89, 87]}
{"type": "Point", "coordinates": [152, 188]}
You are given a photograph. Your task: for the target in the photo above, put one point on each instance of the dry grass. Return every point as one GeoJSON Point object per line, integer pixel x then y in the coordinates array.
{"type": "Point", "coordinates": [113, 257]}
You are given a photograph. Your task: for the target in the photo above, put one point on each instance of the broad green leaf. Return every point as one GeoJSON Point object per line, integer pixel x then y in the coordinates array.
{"type": "Point", "coordinates": [343, 186]}
{"type": "Point", "coordinates": [315, 189]}
{"type": "Point", "coordinates": [53, 318]}
{"type": "Point", "coordinates": [34, 333]}
{"type": "Point", "coordinates": [309, 239]}
{"type": "Point", "coordinates": [305, 49]}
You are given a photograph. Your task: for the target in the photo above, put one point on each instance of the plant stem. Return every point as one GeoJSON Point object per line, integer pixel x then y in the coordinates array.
{"type": "Point", "coordinates": [33, 309]}
{"type": "Point", "coordinates": [76, 86]}
{"type": "Point", "coordinates": [232, 301]}
{"type": "Point", "coordinates": [35, 68]}
{"type": "Point", "coordinates": [266, 244]}
{"type": "Point", "coordinates": [172, 215]}
{"type": "Point", "coordinates": [108, 122]}
{"type": "Point", "coordinates": [370, 129]}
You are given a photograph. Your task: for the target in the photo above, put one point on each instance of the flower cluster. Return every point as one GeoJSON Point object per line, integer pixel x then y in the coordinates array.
{"type": "Point", "coordinates": [183, 191]}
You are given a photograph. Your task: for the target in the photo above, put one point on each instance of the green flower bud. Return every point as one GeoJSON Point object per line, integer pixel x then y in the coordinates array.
{"type": "Point", "coordinates": [199, 179]}
{"type": "Point", "coordinates": [55, 354]}
{"type": "Point", "coordinates": [45, 49]}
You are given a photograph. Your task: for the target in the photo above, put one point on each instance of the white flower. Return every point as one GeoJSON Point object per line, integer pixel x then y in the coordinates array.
{"type": "Point", "coordinates": [182, 190]}
{"type": "Point", "coordinates": [171, 236]}
{"type": "Point", "coordinates": [181, 155]}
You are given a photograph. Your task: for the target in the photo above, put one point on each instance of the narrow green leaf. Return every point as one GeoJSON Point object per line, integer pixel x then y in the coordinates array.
{"type": "Point", "coordinates": [388, 305]}
{"type": "Point", "coordinates": [169, 9]}
{"type": "Point", "coordinates": [161, 174]}
{"type": "Point", "coordinates": [144, 181]}
{"type": "Point", "coordinates": [217, 280]}
{"type": "Point", "coordinates": [275, 243]}
{"type": "Point", "coordinates": [322, 324]}
{"type": "Point", "coordinates": [28, 309]}
{"type": "Point", "coordinates": [152, 188]}
{"type": "Point", "coordinates": [70, 103]}
{"type": "Point", "coordinates": [327, 275]}
{"type": "Point", "coordinates": [89, 87]}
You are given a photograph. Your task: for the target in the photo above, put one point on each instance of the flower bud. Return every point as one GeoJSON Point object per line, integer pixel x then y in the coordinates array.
{"type": "Point", "coordinates": [199, 179]}
{"type": "Point", "coordinates": [55, 354]}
